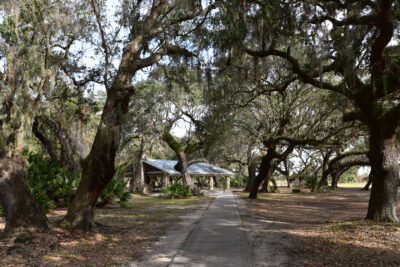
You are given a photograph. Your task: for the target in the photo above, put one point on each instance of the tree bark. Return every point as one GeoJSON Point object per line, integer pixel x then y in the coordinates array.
{"type": "Point", "coordinates": [384, 158]}
{"type": "Point", "coordinates": [48, 144]}
{"type": "Point", "coordinates": [335, 179]}
{"type": "Point", "coordinates": [23, 215]}
{"type": "Point", "coordinates": [366, 187]}
{"type": "Point", "coordinates": [265, 188]}
{"type": "Point", "coordinates": [252, 174]}
{"type": "Point", "coordinates": [267, 167]}
{"type": "Point", "coordinates": [287, 173]}
{"type": "Point", "coordinates": [184, 169]}
{"type": "Point", "coordinates": [73, 148]}
{"type": "Point", "coordinates": [215, 181]}
{"type": "Point", "coordinates": [137, 180]}
{"type": "Point", "coordinates": [324, 177]}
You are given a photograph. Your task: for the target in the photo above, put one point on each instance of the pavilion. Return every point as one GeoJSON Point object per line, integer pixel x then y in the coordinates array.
{"type": "Point", "coordinates": [164, 169]}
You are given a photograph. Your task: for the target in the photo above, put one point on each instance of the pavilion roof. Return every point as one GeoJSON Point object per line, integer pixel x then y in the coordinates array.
{"type": "Point", "coordinates": [197, 168]}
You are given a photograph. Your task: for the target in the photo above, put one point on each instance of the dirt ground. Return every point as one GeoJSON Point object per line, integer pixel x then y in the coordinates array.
{"type": "Point", "coordinates": [123, 235]}
{"type": "Point", "coordinates": [317, 229]}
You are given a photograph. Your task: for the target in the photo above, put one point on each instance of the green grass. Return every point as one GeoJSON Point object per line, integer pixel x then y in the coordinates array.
{"type": "Point", "coordinates": [57, 255]}
{"type": "Point", "coordinates": [336, 228]}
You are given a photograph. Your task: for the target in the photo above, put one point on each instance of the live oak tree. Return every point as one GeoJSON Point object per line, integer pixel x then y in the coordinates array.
{"type": "Point", "coordinates": [154, 28]}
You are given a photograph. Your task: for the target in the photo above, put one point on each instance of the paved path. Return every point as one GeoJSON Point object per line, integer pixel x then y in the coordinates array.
{"type": "Point", "coordinates": [218, 240]}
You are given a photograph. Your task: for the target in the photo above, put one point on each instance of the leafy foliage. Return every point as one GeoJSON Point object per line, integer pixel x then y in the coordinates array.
{"type": "Point", "coordinates": [42, 199]}
{"type": "Point", "coordinates": [115, 189]}
{"type": "Point", "coordinates": [115, 193]}
{"type": "Point", "coordinates": [245, 180]}
{"type": "Point", "coordinates": [176, 190]}
{"type": "Point", "coordinates": [235, 181]}
{"type": "Point", "coordinates": [50, 183]}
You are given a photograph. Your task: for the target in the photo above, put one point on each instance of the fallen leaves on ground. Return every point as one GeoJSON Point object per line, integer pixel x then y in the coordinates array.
{"type": "Point", "coordinates": [123, 234]}
{"type": "Point", "coordinates": [319, 229]}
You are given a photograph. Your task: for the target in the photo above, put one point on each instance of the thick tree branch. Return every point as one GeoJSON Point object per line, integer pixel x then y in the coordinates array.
{"type": "Point", "coordinates": [303, 75]}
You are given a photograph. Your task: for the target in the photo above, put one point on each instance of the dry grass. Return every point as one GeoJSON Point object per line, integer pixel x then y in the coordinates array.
{"type": "Point", "coordinates": [351, 185]}
{"type": "Point", "coordinates": [317, 229]}
{"type": "Point", "coordinates": [124, 234]}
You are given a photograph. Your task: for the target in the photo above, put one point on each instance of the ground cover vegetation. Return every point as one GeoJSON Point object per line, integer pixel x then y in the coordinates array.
{"type": "Point", "coordinates": [305, 92]}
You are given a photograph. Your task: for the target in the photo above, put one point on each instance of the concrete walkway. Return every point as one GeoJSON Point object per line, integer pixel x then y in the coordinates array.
{"type": "Point", "coordinates": [219, 238]}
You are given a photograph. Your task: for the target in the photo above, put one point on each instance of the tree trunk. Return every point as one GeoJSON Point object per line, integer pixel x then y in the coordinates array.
{"type": "Point", "coordinates": [23, 215]}
{"type": "Point", "coordinates": [289, 184]}
{"type": "Point", "coordinates": [287, 174]}
{"type": "Point", "coordinates": [335, 178]}
{"type": "Point", "coordinates": [137, 180]}
{"type": "Point", "coordinates": [215, 181]}
{"type": "Point", "coordinates": [383, 155]}
{"type": "Point", "coordinates": [265, 186]}
{"type": "Point", "coordinates": [184, 169]}
{"type": "Point", "coordinates": [99, 166]}
{"type": "Point", "coordinates": [366, 187]}
{"type": "Point", "coordinates": [252, 174]}
{"type": "Point", "coordinates": [267, 167]}
{"type": "Point", "coordinates": [73, 148]}
{"type": "Point", "coordinates": [324, 178]}
{"type": "Point", "coordinates": [262, 174]}
{"type": "Point", "coordinates": [47, 144]}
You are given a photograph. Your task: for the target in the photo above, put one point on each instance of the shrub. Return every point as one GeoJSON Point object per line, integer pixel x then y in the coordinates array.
{"type": "Point", "coordinates": [50, 183]}
{"type": "Point", "coordinates": [42, 199]}
{"type": "Point", "coordinates": [115, 193]}
{"type": "Point", "coordinates": [1, 211]}
{"type": "Point", "coordinates": [234, 182]}
{"type": "Point", "coordinates": [311, 182]}
{"type": "Point", "coordinates": [245, 180]}
{"type": "Point", "coordinates": [176, 190]}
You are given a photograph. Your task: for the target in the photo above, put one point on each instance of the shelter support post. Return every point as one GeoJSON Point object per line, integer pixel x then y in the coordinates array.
{"type": "Point", "coordinates": [211, 183]}
{"type": "Point", "coordinates": [227, 182]}
{"type": "Point", "coordinates": [165, 180]}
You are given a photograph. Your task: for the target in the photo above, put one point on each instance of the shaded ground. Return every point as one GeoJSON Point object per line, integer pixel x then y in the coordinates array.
{"type": "Point", "coordinates": [124, 235]}
{"type": "Point", "coordinates": [317, 229]}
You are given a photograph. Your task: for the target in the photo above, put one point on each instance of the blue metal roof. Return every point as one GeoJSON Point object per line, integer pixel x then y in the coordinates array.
{"type": "Point", "coordinates": [198, 168]}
